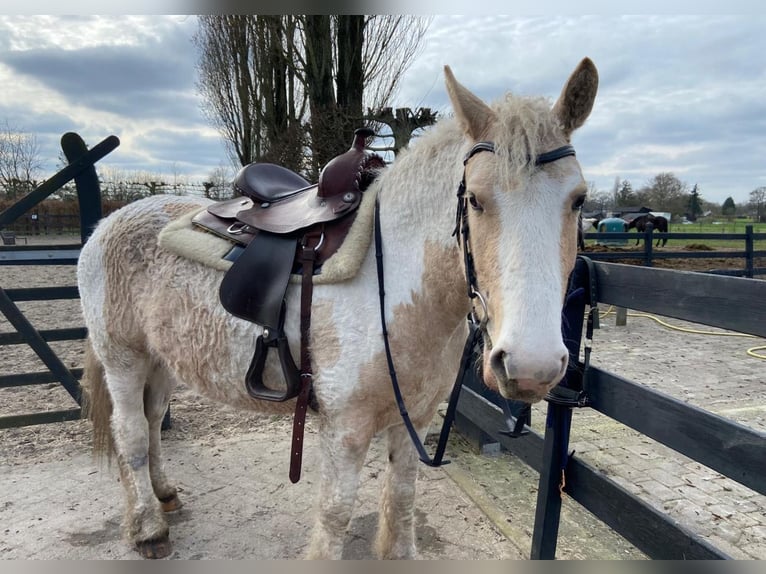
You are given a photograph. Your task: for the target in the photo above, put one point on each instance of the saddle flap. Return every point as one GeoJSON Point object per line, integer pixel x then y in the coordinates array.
{"type": "Point", "coordinates": [255, 285]}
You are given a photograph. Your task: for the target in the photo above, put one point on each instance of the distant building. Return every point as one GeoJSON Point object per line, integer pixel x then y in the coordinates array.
{"type": "Point", "coordinates": [629, 213]}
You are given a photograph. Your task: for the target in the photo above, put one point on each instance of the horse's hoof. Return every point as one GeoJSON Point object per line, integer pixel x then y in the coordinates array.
{"type": "Point", "coordinates": [171, 503]}
{"type": "Point", "coordinates": [154, 549]}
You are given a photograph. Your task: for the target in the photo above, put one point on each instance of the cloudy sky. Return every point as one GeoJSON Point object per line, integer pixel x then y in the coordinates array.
{"type": "Point", "coordinates": [681, 94]}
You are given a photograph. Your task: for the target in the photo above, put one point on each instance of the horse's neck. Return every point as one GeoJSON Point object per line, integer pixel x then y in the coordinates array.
{"type": "Point", "coordinates": [417, 218]}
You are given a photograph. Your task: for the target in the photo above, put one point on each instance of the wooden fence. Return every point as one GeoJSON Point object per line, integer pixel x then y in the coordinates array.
{"type": "Point", "coordinates": [727, 447]}
{"type": "Point", "coordinates": [647, 256]}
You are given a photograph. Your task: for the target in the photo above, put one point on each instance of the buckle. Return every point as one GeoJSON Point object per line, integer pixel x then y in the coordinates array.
{"type": "Point", "coordinates": [566, 397]}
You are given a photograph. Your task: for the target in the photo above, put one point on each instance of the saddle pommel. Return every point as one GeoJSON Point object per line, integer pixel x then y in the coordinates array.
{"type": "Point", "coordinates": [341, 176]}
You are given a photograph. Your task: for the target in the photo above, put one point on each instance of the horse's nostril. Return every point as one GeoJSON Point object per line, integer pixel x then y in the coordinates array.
{"type": "Point", "coordinates": [497, 360]}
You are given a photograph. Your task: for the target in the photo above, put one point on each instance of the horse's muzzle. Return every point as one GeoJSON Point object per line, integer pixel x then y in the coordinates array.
{"type": "Point", "coordinates": [527, 378]}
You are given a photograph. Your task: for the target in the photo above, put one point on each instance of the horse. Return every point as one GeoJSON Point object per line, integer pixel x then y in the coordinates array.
{"type": "Point", "coordinates": [154, 318]}
{"type": "Point", "coordinates": [658, 222]}
{"type": "Point", "coordinates": [584, 225]}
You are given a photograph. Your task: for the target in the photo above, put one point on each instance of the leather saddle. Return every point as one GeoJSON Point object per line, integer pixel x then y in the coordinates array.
{"type": "Point", "coordinates": [278, 215]}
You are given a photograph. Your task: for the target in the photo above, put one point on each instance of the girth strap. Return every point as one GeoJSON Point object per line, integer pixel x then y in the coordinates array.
{"type": "Point", "coordinates": [310, 244]}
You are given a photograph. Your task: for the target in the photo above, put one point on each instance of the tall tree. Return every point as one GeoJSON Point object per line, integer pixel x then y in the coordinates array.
{"type": "Point", "coordinates": [665, 192]}
{"type": "Point", "coordinates": [729, 208]}
{"type": "Point", "coordinates": [695, 204]}
{"type": "Point", "coordinates": [625, 196]}
{"type": "Point", "coordinates": [317, 71]}
{"type": "Point", "coordinates": [247, 80]}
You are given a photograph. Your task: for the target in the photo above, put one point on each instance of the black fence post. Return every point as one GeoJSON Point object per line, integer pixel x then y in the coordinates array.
{"type": "Point", "coordinates": [749, 251]}
{"type": "Point", "coordinates": [548, 509]}
{"type": "Point", "coordinates": [86, 182]}
{"type": "Point", "coordinates": [648, 241]}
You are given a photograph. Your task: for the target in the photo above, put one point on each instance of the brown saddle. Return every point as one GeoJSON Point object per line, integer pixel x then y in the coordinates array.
{"type": "Point", "coordinates": [283, 225]}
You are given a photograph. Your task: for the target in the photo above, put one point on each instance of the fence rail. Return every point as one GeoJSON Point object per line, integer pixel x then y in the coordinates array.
{"type": "Point", "coordinates": [648, 254]}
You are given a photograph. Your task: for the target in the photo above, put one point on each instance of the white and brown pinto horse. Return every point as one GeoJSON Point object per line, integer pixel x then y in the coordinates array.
{"type": "Point", "coordinates": [154, 318]}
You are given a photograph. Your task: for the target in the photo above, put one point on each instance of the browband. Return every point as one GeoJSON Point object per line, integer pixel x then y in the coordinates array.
{"type": "Point", "coordinates": [543, 158]}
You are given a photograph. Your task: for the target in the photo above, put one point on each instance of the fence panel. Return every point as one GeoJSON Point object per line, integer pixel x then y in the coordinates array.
{"type": "Point", "coordinates": [81, 169]}
{"type": "Point", "coordinates": [731, 449]}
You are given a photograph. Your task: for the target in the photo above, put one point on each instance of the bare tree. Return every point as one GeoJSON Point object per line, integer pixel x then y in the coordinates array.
{"type": "Point", "coordinates": [276, 86]}
{"type": "Point", "coordinates": [665, 192]}
{"type": "Point", "coordinates": [758, 203]}
{"type": "Point", "coordinates": [20, 161]}
{"type": "Point", "coordinates": [392, 43]}
{"type": "Point", "coordinates": [247, 81]}
{"type": "Point", "coordinates": [218, 184]}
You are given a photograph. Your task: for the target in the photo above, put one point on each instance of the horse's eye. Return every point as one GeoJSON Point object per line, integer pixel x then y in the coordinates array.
{"type": "Point", "coordinates": [578, 203]}
{"type": "Point", "coordinates": [474, 202]}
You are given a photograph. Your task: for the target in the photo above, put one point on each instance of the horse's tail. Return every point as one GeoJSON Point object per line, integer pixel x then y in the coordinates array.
{"type": "Point", "coordinates": [97, 403]}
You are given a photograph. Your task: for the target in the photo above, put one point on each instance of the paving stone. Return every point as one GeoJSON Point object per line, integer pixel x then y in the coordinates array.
{"type": "Point", "coordinates": [628, 485]}
{"type": "Point", "coordinates": [746, 519]}
{"type": "Point", "coordinates": [695, 495]}
{"type": "Point", "coordinates": [663, 476]}
{"type": "Point", "coordinates": [727, 531]}
{"type": "Point", "coordinates": [658, 491]}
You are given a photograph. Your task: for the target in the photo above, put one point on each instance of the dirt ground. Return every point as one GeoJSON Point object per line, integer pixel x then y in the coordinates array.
{"type": "Point", "coordinates": [57, 503]}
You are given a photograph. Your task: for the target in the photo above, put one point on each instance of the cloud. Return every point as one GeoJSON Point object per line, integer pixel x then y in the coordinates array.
{"type": "Point", "coordinates": [129, 76]}
{"type": "Point", "coordinates": [676, 93]}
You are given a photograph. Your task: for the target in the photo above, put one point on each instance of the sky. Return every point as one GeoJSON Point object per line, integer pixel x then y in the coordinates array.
{"type": "Point", "coordinates": [680, 94]}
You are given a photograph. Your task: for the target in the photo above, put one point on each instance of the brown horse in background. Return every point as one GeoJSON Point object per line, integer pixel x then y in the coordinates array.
{"type": "Point", "coordinates": [658, 222]}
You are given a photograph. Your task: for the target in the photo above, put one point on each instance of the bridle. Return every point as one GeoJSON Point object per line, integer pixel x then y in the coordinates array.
{"type": "Point", "coordinates": [477, 328]}
{"type": "Point", "coordinates": [462, 232]}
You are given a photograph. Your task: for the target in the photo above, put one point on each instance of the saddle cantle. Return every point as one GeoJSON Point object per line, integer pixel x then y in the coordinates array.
{"type": "Point", "coordinates": [278, 214]}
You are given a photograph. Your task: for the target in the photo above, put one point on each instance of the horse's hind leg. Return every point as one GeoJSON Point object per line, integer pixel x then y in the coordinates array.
{"type": "Point", "coordinates": [156, 400]}
{"type": "Point", "coordinates": [396, 527]}
{"type": "Point", "coordinates": [144, 523]}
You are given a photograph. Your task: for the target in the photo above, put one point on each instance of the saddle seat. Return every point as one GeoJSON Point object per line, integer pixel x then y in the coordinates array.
{"type": "Point", "coordinates": [267, 182]}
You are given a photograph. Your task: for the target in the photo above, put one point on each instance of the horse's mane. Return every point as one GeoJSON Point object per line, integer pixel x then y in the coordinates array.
{"type": "Point", "coordinates": [525, 127]}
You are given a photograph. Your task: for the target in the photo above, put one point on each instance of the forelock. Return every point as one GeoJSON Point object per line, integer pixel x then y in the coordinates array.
{"type": "Point", "coordinates": [525, 127]}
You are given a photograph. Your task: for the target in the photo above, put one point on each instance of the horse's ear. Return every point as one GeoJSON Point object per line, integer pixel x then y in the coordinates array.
{"type": "Point", "coordinates": [473, 114]}
{"type": "Point", "coordinates": [576, 100]}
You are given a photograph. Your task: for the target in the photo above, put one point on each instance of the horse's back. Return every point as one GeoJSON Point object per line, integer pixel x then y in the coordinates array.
{"type": "Point", "coordinates": [113, 263]}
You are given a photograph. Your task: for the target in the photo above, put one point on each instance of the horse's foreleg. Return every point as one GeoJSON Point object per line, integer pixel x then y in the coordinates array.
{"type": "Point", "coordinates": [343, 450]}
{"type": "Point", "coordinates": [396, 527]}
{"type": "Point", "coordinates": [156, 400]}
{"type": "Point", "coordinates": [144, 523]}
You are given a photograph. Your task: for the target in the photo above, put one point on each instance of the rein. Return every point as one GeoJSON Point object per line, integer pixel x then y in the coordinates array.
{"type": "Point", "coordinates": [477, 328]}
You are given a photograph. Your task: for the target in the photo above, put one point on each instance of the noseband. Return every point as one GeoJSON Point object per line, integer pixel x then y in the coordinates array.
{"type": "Point", "coordinates": [476, 326]}
{"type": "Point", "coordinates": [463, 236]}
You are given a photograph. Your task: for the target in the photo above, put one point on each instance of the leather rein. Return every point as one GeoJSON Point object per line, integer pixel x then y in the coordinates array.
{"type": "Point", "coordinates": [477, 327]}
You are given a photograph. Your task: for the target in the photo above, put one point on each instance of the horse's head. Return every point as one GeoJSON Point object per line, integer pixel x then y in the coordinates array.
{"type": "Point", "coordinates": [523, 193]}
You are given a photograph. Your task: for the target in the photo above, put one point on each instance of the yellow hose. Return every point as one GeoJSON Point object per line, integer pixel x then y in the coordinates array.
{"type": "Point", "coordinates": [751, 352]}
